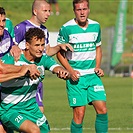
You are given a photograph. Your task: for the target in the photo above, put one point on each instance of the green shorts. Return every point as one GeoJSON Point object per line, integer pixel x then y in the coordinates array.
{"type": "Point", "coordinates": [13, 118]}
{"type": "Point", "coordinates": [87, 89]}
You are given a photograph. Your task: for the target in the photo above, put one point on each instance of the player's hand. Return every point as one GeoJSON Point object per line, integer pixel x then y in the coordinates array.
{"type": "Point", "coordinates": [15, 52]}
{"type": "Point", "coordinates": [24, 70]}
{"type": "Point", "coordinates": [63, 74]}
{"type": "Point", "coordinates": [66, 47]}
{"type": "Point", "coordinates": [99, 72]}
{"type": "Point", "coordinates": [75, 75]}
{"type": "Point", "coordinates": [33, 71]}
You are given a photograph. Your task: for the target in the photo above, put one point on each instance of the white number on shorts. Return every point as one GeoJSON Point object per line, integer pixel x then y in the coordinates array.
{"type": "Point", "coordinates": [74, 100]}
{"type": "Point", "coordinates": [18, 118]}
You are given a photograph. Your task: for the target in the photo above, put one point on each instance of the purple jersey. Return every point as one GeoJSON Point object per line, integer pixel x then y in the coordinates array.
{"type": "Point", "coordinates": [6, 43]}
{"type": "Point", "coordinates": [20, 30]}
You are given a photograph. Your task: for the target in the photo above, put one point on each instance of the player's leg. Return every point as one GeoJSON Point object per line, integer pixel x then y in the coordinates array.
{"type": "Point", "coordinates": [101, 124]}
{"type": "Point", "coordinates": [16, 121]}
{"type": "Point", "coordinates": [77, 97]}
{"type": "Point", "coordinates": [97, 97]}
{"type": "Point", "coordinates": [78, 116]}
{"type": "Point", "coordinates": [2, 130]}
{"type": "Point", "coordinates": [39, 96]}
{"type": "Point", "coordinates": [29, 127]}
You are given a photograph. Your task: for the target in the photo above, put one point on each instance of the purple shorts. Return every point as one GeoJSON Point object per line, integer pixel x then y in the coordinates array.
{"type": "Point", "coordinates": [39, 94]}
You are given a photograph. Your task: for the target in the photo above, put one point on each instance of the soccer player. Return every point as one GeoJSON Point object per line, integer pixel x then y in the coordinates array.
{"type": "Point", "coordinates": [85, 86]}
{"type": "Point", "coordinates": [18, 95]}
{"type": "Point", "coordinates": [40, 14]}
{"type": "Point", "coordinates": [6, 43]}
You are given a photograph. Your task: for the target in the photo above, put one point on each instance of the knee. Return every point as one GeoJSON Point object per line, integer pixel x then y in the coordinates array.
{"type": "Point", "coordinates": [35, 129]}
{"type": "Point", "coordinates": [102, 110]}
{"type": "Point", "coordinates": [79, 113]}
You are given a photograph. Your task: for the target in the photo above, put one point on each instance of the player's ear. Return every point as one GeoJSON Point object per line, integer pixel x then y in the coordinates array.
{"type": "Point", "coordinates": [27, 45]}
{"type": "Point", "coordinates": [89, 10]}
{"type": "Point", "coordinates": [35, 12]}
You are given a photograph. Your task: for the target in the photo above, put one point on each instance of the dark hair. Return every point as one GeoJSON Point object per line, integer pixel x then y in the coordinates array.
{"type": "Point", "coordinates": [2, 11]}
{"type": "Point", "coordinates": [79, 1]}
{"type": "Point", "coordinates": [34, 32]}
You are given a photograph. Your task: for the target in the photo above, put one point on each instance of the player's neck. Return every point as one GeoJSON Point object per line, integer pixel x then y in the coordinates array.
{"type": "Point", "coordinates": [82, 24]}
{"type": "Point", "coordinates": [28, 56]}
{"type": "Point", "coordinates": [34, 21]}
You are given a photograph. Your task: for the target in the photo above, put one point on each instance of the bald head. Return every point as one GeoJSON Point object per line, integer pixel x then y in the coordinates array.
{"type": "Point", "coordinates": [37, 4]}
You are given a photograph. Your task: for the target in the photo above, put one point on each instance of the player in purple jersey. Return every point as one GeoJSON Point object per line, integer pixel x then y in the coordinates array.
{"type": "Point", "coordinates": [5, 42]}
{"type": "Point", "coordinates": [40, 14]}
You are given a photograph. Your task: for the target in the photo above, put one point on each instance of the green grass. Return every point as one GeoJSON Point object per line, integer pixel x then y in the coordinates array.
{"type": "Point", "coordinates": [119, 103]}
{"type": "Point", "coordinates": [102, 11]}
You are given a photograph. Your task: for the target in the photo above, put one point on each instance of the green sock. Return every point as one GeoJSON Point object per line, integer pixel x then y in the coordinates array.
{"type": "Point", "coordinates": [101, 124]}
{"type": "Point", "coordinates": [76, 128]}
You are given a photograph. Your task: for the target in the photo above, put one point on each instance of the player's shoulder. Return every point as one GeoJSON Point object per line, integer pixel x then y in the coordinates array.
{"type": "Point", "coordinates": [69, 23]}
{"type": "Point", "coordinates": [22, 24]}
{"type": "Point", "coordinates": [6, 33]}
{"type": "Point", "coordinates": [7, 58]}
{"type": "Point", "coordinates": [92, 21]}
{"type": "Point", "coordinates": [8, 20]}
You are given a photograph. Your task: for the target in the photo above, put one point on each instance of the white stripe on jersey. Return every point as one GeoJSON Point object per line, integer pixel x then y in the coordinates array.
{"type": "Point", "coordinates": [86, 71]}
{"type": "Point", "coordinates": [14, 99]}
{"type": "Point", "coordinates": [83, 37]}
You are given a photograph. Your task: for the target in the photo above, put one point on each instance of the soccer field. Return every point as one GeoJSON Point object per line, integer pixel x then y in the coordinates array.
{"type": "Point", "coordinates": [119, 103]}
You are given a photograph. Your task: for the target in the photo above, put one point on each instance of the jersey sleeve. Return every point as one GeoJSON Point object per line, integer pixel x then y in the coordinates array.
{"type": "Point", "coordinates": [19, 31]}
{"type": "Point", "coordinates": [98, 40]}
{"type": "Point", "coordinates": [49, 63]}
{"type": "Point", "coordinates": [63, 36]}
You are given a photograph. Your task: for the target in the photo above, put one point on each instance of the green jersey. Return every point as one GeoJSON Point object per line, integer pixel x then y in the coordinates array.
{"type": "Point", "coordinates": [20, 92]}
{"type": "Point", "coordinates": [9, 27]}
{"type": "Point", "coordinates": [84, 42]}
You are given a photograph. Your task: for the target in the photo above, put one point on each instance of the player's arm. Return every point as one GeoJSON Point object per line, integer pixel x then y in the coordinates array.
{"type": "Point", "coordinates": [10, 71]}
{"type": "Point", "coordinates": [53, 50]}
{"type": "Point", "coordinates": [98, 69]}
{"type": "Point", "coordinates": [63, 60]}
{"type": "Point", "coordinates": [9, 76]}
{"type": "Point", "coordinates": [61, 72]}
{"type": "Point", "coordinates": [6, 68]}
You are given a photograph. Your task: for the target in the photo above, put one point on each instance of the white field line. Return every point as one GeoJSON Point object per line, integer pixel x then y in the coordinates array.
{"type": "Point", "coordinates": [111, 129]}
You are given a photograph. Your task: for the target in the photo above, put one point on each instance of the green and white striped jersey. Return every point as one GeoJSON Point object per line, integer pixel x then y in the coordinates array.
{"type": "Point", "coordinates": [84, 42]}
{"type": "Point", "coordinates": [20, 92]}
